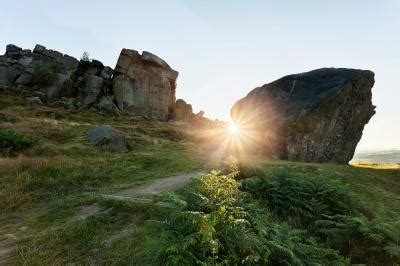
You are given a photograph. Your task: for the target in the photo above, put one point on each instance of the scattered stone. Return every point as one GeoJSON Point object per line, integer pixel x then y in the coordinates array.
{"type": "Point", "coordinates": [88, 211]}
{"type": "Point", "coordinates": [23, 228]}
{"type": "Point", "coordinates": [316, 116]}
{"type": "Point", "coordinates": [106, 103]}
{"type": "Point", "coordinates": [34, 101]}
{"type": "Point", "coordinates": [105, 135]}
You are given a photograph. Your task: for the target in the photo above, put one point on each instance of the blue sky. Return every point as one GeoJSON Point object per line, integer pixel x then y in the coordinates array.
{"type": "Point", "coordinates": [223, 49]}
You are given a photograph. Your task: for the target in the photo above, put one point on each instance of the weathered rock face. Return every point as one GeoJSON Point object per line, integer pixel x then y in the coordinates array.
{"type": "Point", "coordinates": [144, 85]}
{"type": "Point", "coordinates": [183, 111]}
{"type": "Point", "coordinates": [317, 116]}
{"type": "Point", "coordinates": [54, 75]}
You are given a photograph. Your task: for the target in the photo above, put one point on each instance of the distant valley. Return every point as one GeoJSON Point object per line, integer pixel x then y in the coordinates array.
{"type": "Point", "coordinates": [385, 156]}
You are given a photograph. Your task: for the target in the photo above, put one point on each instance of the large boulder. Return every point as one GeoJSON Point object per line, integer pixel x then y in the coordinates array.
{"type": "Point", "coordinates": [316, 116]}
{"type": "Point", "coordinates": [106, 136]}
{"type": "Point", "coordinates": [144, 85]}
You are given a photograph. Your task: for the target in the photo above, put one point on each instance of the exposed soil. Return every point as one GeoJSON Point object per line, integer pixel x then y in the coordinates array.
{"type": "Point", "coordinates": [154, 187]}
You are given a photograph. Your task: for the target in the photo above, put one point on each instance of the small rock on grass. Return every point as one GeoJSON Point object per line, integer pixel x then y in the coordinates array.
{"type": "Point", "coordinates": [105, 135]}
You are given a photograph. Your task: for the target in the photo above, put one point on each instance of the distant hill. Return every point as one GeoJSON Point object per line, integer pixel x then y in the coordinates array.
{"type": "Point", "coordinates": [387, 156]}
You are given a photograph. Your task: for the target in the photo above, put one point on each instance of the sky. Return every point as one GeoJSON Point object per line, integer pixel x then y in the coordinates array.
{"type": "Point", "coordinates": [223, 49]}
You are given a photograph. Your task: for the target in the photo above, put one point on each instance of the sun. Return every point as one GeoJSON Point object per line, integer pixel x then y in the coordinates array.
{"type": "Point", "coordinates": [233, 128]}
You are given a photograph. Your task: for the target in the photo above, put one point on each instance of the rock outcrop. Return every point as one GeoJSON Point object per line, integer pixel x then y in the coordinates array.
{"type": "Point", "coordinates": [53, 75]}
{"type": "Point", "coordinates": [144, 85]}
{"type": "Point", "coordinates": [141, 84]}
{"type": "Point", "coordinates": [184, 112]}
{"type": "Point", "coordinates": [317, 116]}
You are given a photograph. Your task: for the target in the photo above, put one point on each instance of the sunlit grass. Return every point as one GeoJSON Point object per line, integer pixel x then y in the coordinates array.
{"type": "Point", "coordinates": [372, 165]}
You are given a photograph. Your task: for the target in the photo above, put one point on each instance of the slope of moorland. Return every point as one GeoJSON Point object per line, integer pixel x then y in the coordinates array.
{"type": "Point", "coordinates": [64, 201]}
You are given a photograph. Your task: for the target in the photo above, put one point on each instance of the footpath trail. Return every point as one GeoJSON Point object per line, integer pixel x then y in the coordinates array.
{"type": "Point", "coordinates": [154, 187]}
{"type": "Point", "coordinates": [140, 193]}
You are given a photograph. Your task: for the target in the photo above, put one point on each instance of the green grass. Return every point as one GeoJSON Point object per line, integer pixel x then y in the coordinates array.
{"type": "Point", "coordinates": [43, 189]}
{"type": "Point", "coordinates": [63, 163]}
{"type": "Point", "coordinates": [12, 142]}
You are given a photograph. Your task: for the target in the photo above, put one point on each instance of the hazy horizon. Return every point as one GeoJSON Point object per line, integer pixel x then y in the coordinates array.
{"type": "Point", "coordinates": [224, 49]}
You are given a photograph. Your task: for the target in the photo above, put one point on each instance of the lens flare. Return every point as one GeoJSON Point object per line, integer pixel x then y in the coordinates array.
{"type": "Point", "coordinates": [233, 128]}
{"type": "Point", "coordinates": [244, 137]}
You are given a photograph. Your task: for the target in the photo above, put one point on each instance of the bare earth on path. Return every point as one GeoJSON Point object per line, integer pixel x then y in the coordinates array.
{"type": "Point", "coordinates": [154, 187]}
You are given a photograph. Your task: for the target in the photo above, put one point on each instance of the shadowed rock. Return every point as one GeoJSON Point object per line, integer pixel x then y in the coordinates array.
{"type": "Point", "coordinates": [105, 135]}
{"type": "Point", "coordinates": [142, 84]}
{"type": "Point", "coordinates": [316, 116]}
{"type": "Point", "coordinates": [53, 74]}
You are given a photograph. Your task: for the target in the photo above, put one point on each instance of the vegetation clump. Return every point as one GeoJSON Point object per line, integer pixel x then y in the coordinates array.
{"type": "Point", "coordinates": [328, 211]}
{"type": "Point", "coordinates": [61, 200]}
{"type": "Point", "coordinates": [281, 218]}
{"type": "Point", "coordinates": [216, 223]}
{"type": "Point", "coordinates": [12, 142]}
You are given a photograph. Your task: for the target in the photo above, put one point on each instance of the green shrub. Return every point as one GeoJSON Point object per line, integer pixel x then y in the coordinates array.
{"type": "Point", "coordinates": [301, 199]}
{"type": "Point", "coordinates": [12, 142]}
{"type": "Point", "coordinates": [374, 241]}
{"type": "Point", "coordinates": [85, 57]}
{"type": "Point", "coordinates": [328, 212]}
{"type": "Point", "coordinates": [217, 226]}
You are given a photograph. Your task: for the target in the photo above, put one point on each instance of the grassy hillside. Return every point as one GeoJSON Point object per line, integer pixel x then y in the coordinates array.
{"type": "Point", "coordinates": [55, 208]}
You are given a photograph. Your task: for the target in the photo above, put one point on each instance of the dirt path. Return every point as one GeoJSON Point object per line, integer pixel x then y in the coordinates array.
{"type": "Point", "coordinates": [139, 193]}
{"type": "Point", "coordinates": [154, 187]}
